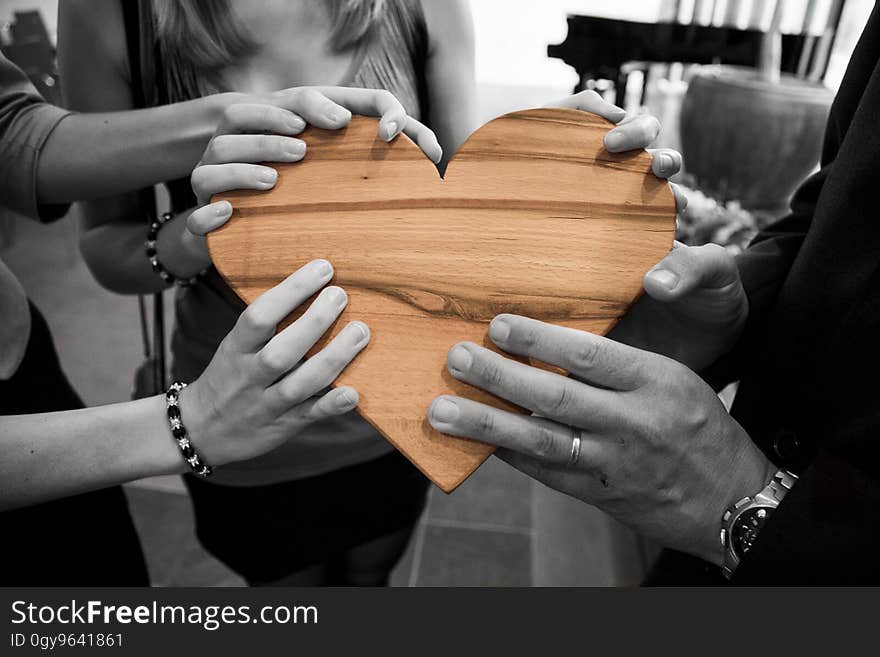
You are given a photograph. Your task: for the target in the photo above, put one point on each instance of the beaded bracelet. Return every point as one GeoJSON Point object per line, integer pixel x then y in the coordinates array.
{"type": "Point", "coordinates": [158, 267]}
{"type": "Point", "coordinates": [172, 402]}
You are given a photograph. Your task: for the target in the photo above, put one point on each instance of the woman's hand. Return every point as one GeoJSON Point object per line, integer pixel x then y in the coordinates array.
{"type": "Point", "coordinates": [252, 397]}
{"type": "Point", "coordinates": [331, 108]}
{"type": "Point", "coordinates": [632, 132]}
{"type": "Point", "coordinates": [658, 450]}
{"type": "Point", "coordinates": [250, 133]}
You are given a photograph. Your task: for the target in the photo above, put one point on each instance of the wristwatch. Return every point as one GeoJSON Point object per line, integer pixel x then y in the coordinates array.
{"type": "Point", "coordinates": [743, 521]}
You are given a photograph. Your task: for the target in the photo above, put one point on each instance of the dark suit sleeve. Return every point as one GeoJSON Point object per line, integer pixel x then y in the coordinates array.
{"type": "Point", "coordinates": [827, 529]}
{"type": "Point", "coordinates": [824, 531]}
{"type": "Point", "coordinates": [763, 268]}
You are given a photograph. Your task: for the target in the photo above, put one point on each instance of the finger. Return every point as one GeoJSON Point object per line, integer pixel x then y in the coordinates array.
{"type": "Point", "coordinates": [321, 370]}
{"type": "Point", "coordinates": [591, 101]}
{"type": "Point", "coordinates": [316, 106]}
{"type": "Point", "coordinates": [287, 348]}
{"type": "Point", "coordinates": [257, 324]}
{"type": "Point", "coordinates": [539, 438]}
{"type": "Point", "coordinates": [638, 133]}
{"type": "Point", "coordinates": [583, 485]}
{"type": "Point", "coordinates": [372, 102]}
{"type": "Point", "coordinates": [197, 247]}
{"type": "Point", "coordinates": [331, 404]}
{"type": "Point", "coordinates": [259, 117]}
{"type": "Point", "coordinates": [665, 162]}
{"type": "Point", "coordinates": [253, 148]}
{"type": "Point", "coordinates": [393, 118]}
{"type": "Point", "coordinates": [690, 267]}
{"type": "Point", "coordinates": [681, 199]}
{"type": "Point", "coordinates": [210, 179]}
{"type": "Point", "coordinates": [207, 218]}
{"type": "Point", "coordinates": [545, 393]}
{"type": "Point", "coordinates": [425, 138]}
{"type": "Point", "coordinates": [587, 356]}
{"type": "Point", "coordinates": [392, 115]}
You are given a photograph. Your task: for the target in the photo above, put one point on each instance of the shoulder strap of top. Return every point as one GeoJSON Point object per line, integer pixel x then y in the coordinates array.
{"type": "Point", "coordinates": [138, 18]}
{"type": "Point", "coordinates": [138, 21]}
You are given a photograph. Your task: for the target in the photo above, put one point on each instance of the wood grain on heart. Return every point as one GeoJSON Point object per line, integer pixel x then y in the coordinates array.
{"type": "Point", "coordinates": [534, 217]}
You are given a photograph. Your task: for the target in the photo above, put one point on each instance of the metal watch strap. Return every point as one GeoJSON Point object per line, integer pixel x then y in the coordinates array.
{"type": "Point", "coordinates": [769, 497]}
{"type": "Point", "coordinates": [782, 482]}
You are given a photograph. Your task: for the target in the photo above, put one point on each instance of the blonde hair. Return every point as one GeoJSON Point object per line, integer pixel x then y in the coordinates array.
{"type": "Point", "coordinates": [199, 38]}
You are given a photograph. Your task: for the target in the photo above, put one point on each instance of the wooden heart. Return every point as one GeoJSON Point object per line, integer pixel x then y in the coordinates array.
{"type": "Point", "coordinates": [533, 217]}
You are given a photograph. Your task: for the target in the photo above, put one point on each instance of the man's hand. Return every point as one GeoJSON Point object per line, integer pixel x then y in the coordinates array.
{"type": "Point", "coordinates": [657, 448]}
{"type": "Point", "coordinates": [694, 310]}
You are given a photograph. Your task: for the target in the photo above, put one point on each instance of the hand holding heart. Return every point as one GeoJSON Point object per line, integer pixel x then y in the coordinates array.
{"type": "Point", "coordinates": [658, 450]}
{"type": "Point", "coordinates": [252, 397]}
{"type": "Point", "coordinates": [251, 133]}
{"type": "Point", "coordinates": [561, 201]}
{"type": "Point", "coordinates": [265, 131]}
{"type": "Point", "coordinates": [633, 133]}
{"type": "Point", "coordinates": [694, 310]}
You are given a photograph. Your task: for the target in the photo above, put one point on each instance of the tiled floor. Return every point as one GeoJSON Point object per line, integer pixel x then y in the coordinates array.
{"type": "Point", "coordinates": [480, 535]}
{"type": "Point", "coordinates": [461, 540]}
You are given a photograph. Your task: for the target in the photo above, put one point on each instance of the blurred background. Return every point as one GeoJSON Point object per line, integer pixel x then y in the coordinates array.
{"type": "Point", "coordinates": [742, 88]}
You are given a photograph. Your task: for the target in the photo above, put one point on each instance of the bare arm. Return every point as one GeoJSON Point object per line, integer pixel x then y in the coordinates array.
{"type": "Point", "coordinates": [450, 71]}
{"type": "Point", "coordinates": [51, 455]}
{"type": "Point", "coordinates": [120, 151]}
{"type": "Point", "coordinates": [115, 151]}
{"type": "Point", "coordinates": [250, 400]}
{"type": "Point", "coordinates": [93, 62]}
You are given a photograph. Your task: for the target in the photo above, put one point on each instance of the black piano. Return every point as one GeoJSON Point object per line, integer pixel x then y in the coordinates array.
{"type": "Point", "coordinates": [600, 48]}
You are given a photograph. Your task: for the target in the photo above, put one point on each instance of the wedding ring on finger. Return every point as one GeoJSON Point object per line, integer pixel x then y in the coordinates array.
{"type": "Point", "coordinates": [575, 448]}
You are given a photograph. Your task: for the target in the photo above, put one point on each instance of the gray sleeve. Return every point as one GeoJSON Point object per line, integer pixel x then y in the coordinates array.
{"type": "Point", "coordinates": [26, 121]}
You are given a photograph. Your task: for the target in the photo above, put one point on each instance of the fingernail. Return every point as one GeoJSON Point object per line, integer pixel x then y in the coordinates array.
{"type": "Point", "coordinates": [460, 359]}
{"type": "Point", "coordinates": [358, 332]}
{"type": "Point", "coordinates": [665, 161]}
{"type": "Point", "coordinates": [499, 330]}
{"type": "Point", "coordinates": [338, 297]}
{"type": "Point", "coordinates": [338, 116]}
{"type": "Point", "coordinates": [223, 209]}
{"type": "Point", "coordinates": [296, 124]}
{"type": "Point", "coordinates": [323, 268]}
{"type": "Point", "coordinates": [268, 176]}
{"type": "Point", "coordinates": [444, 410]}
{"type": "Point", "coordinates": [616, 114]}
{"type": "Point", "coordinates": [295, 148]}
{"type": "Point", "coordinates": [391, 130]}
{"type": "Point", "coordinates": [664, 277]}
{"type": "Point", "coordinates": [347, 399]}
{"type": "Point", "coordinates": [613, 140]}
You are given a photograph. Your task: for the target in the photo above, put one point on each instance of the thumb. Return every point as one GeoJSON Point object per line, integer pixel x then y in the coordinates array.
{"type": "Point", "coordinates": [207, 218]}
{"type": "Point", "coordinates": [688, 268]}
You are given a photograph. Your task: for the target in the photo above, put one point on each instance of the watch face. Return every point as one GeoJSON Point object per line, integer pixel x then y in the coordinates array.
{"type": "Point", "coordinates": [745, 529]}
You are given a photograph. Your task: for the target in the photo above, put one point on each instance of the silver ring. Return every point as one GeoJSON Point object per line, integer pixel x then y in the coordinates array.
{"type": "Point", "coordinates": [575, 449]}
